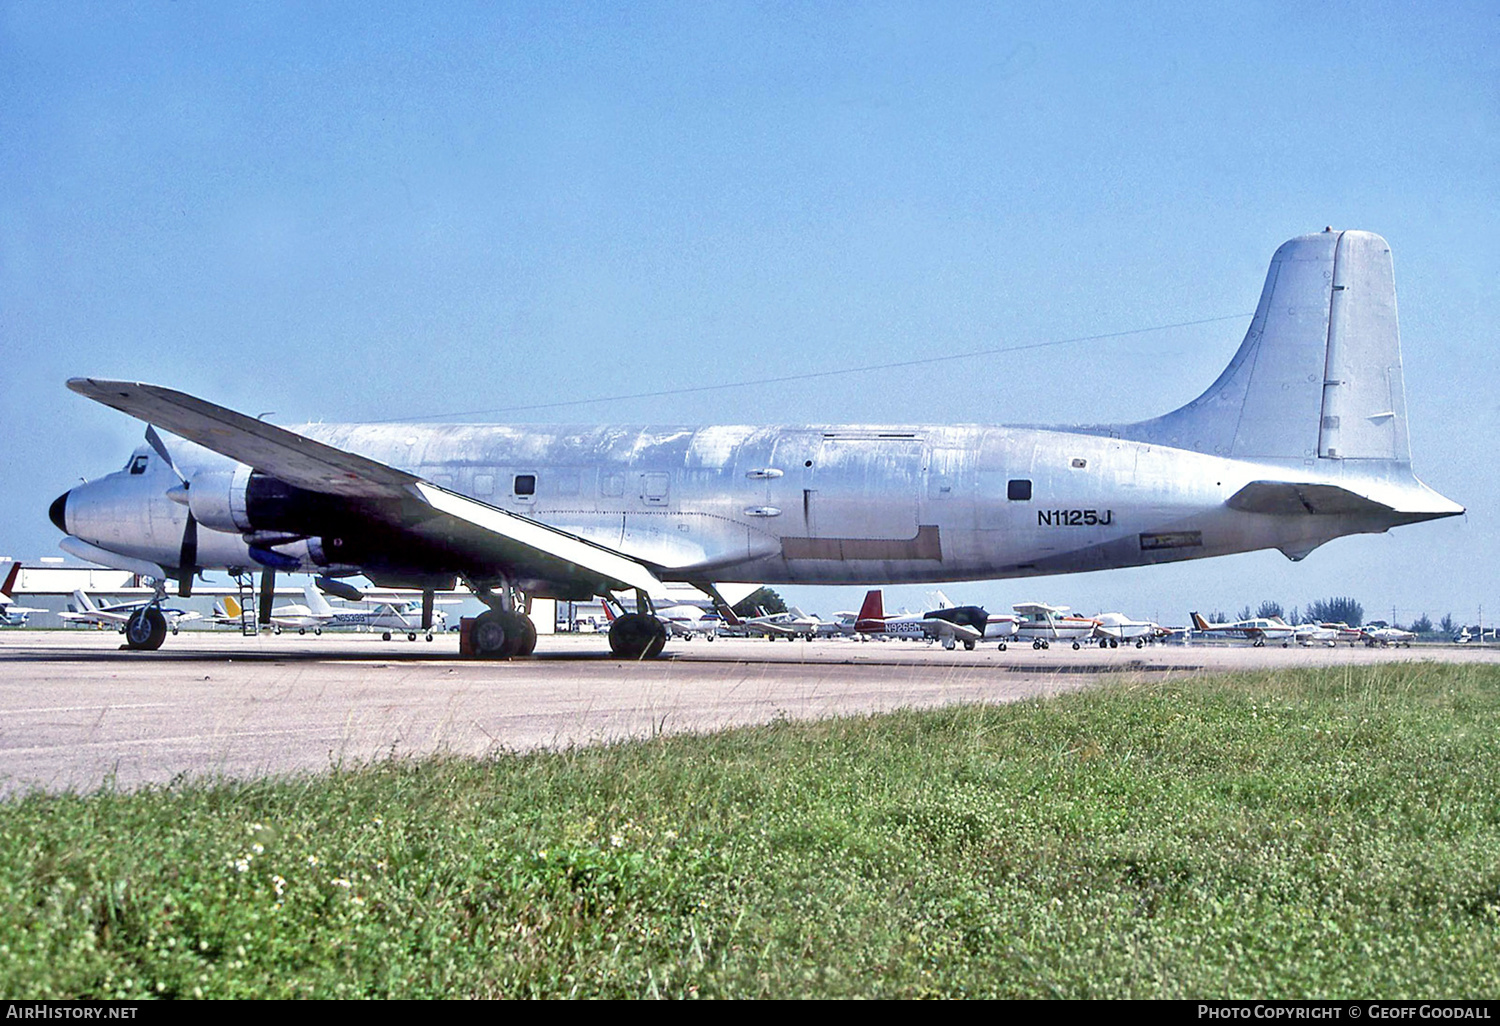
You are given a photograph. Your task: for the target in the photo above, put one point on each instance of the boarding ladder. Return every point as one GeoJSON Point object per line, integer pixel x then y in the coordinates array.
{"type": "Point", "coordinates": [246, 584]}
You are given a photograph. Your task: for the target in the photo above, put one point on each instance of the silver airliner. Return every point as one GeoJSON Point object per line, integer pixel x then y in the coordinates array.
{"type": "Point", "coordinates": [1302, 439]}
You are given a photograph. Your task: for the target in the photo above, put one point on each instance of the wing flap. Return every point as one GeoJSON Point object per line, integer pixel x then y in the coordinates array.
{"type": "Point", "coordinates": [532, 535]}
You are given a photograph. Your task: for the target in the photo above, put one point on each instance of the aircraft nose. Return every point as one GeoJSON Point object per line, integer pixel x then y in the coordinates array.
{"type": "Point", "coordinates": [58, 512]}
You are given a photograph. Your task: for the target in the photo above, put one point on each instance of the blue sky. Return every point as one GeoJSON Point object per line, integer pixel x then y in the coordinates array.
{"type": "Point", "coordinates": [347, 212]}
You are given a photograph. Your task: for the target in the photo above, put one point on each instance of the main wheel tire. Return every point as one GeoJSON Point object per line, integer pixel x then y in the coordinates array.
{"type": "Point", "coordinates": [526, 635]}
{"type": "Point", "coordinates": [969, 645]}
{"type": "Point", "coordinates": [1075, 646]}
{"type": "Point", "coordinates": [637, 636]}
{"type": "Point", "coordinates": [145, 630]}
{"type": "Point", "coordinates": [491, 635]}
{"type": "Point", "coordinates": [386, 636]}
{"type": "Point", "coordinates": [1002, 646]}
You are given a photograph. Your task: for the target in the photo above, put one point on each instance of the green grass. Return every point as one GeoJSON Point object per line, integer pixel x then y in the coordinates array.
{"type": "Point", "coordinates": [1322, 833]}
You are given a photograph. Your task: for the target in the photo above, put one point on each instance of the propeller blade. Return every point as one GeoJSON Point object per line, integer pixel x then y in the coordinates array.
{"type": "Point", "coordinates": [161, 450]}
{"type": "Point", "coordinates": [187, 560]}
{"type": "Point", "coordinates": [267, 593]}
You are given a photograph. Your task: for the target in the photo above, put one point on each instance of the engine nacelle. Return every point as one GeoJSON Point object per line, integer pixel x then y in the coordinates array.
{"type": "Point", "coordinates": [247, 502]}
{"type": "Point", "coordinates": [217, 499]}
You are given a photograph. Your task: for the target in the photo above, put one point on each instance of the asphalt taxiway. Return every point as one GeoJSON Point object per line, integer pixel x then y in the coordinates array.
{"type": "Point", "coordinates": [77, 711]}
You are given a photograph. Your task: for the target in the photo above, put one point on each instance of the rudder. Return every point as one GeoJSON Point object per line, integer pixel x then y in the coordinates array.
{"type": "Point", "coordinates": [1319, 372]}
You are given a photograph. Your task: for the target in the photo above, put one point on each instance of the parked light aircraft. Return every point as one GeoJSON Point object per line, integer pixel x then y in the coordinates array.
{"type": "Point", "coordinates": [312, 616]}
{"type": "Point", "coordinates": [1044, 624]}
{"type": "Point", "coordinates": [84, 610]}
{"type": "Point", "coordinates": [791, 625]}
{"type": "Point", "coordinates": [1315, 634]}
{"type": "Point", "coordinates": [1257, 630]}
{"type": "Point", "coordinates": [1389, 637]}
{"type": "Point", "coordinates": [949, 625]}
{"type": "Point", "coordinates": [1112, 628]}
{"type": "Point", "coordinates": [1343, 632]}
{"type": "Point", "coordinates": [12, 615]}
{"type": "Point", "coordinates": [1302, 439]}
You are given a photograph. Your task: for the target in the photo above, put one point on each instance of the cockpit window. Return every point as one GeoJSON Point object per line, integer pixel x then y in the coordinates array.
{"type": "Point", "coordinates": [137, 464]}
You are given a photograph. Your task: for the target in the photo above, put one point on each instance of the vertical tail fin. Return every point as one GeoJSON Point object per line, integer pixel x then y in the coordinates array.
{"type": "Point", "coordinates": [9, 587]}
{"type": "Point", "coordinates": [872, 613]}
{"type": "Point", "coordinates": [85, 604]}
{"type": "Point", "coordinates": [232, 608]}
{"type": "Point", "coordinates": [1198, 622]}
{"type": "Point", "coordinates": [316, 603]}
{"type": "Point", "coordinates": [1319, 372]}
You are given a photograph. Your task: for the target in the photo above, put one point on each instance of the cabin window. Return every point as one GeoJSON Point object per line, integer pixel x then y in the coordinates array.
{"type": "Point", "coordinates": [611, 485]}
{"type": "Point", "coordinates": [138, 464]}
{"type": "Point", "coordinates": [654, 488]}
{"type": "Point", "coordinates": [525, 485]}
{"type": "Point", "coordinates": [1018, 490]}
{"type": "Point", "coordinates": [484, 484]}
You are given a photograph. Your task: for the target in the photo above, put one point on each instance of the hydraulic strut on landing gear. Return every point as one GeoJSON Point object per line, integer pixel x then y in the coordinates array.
{"type": "Point", "coordinates": [500, 632]}
{"type": "Point", "coordinates": [147, 627]}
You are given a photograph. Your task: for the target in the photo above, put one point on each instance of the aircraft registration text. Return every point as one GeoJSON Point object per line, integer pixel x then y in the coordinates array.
{"type": "Point", "coordinates": [1074, 517]}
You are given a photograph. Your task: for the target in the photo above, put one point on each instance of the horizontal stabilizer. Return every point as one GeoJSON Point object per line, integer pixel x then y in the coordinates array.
{"type": "Point", "coordinates": [1282, 498]}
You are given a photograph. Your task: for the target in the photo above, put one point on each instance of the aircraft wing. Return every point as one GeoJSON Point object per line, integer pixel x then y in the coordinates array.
{"type": "Point", "coordinates": [940, 628]}
{"type": "Point", "coordinates": [98, 616]}
{"type": "Point", "coordinates": [484, 535]}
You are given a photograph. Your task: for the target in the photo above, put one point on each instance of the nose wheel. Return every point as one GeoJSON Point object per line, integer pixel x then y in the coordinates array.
{"type": "Point", "coordinates": [145, 630]}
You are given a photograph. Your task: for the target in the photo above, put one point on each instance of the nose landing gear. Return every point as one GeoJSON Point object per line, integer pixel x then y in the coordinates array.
{"type": "Point", "coordinates": [145, 630]}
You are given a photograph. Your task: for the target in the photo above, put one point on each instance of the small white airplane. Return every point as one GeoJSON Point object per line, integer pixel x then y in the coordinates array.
{"type": "Point", "coordinates": [1315, 634]}
{"type": "Point", "coordinates": [1044, 624]}
{"type": "Point", "coordinates": [1113, 628]}
{"type": "Point", "coordinates": [391, 618]}
{"type": "Point", "coordinates": [1257, 630]}
{"type": "Point", "coordinates": [948, 626]}
{"type": "Point", "coordinates": [83, 610]}
{"type": "Point", "coordinates": [12, 615]}
{"type": "Point", "coordinates": [683, 620]}
{"type": "Point", "coordinates": [1343, 632]}
{"type": "Point", "coordinates": [313, 616]}
{"type": "Point", "coordinates": [1389, 637]}
{"type": "Point", "coordinates": [791, 625]}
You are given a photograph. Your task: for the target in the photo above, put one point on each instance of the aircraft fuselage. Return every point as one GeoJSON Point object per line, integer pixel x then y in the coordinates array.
{"type": "Point", "coordinates": [807, 504]}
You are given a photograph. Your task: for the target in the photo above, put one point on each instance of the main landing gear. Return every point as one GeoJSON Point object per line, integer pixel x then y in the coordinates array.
{"type": "Point", "coordinates": [637, 636]}
{"type": "Point", "coordinates": [503, 634]}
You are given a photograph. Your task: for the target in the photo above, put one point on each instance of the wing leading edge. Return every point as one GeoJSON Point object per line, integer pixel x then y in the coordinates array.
{"type": "Point", "coordinates": [480, 534]}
